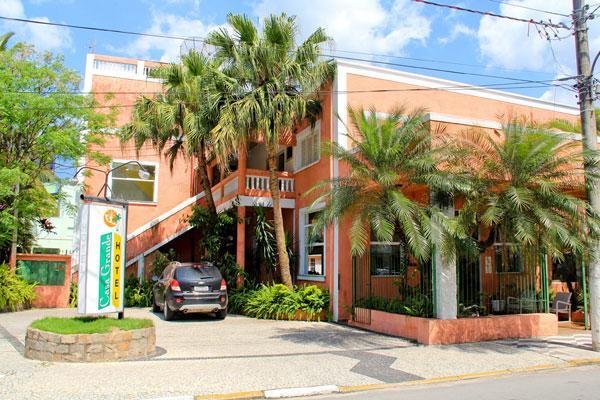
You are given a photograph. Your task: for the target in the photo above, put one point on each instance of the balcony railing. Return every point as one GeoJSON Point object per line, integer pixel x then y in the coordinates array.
{"type": "Point", "coordinates": [256, 184]}
{"type": "Point", "coordinates": [260, 182]}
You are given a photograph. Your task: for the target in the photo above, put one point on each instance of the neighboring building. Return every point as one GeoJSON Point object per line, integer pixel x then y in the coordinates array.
{"type": "Point", "coordinates": [158, 205]}
{"type": "Point", "coordinates": [60, 239]}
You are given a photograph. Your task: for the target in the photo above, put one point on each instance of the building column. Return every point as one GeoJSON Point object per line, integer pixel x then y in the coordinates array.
{"type": "Point", "coordinates": [242, 166]}
{"type": "Point", "coordinates": [446, 285]}
{"type": "Point", "coordinates": [241, 237]}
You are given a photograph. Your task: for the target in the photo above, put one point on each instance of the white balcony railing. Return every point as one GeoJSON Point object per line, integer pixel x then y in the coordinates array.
{"type": "Point", "coordinates": [258, 182]}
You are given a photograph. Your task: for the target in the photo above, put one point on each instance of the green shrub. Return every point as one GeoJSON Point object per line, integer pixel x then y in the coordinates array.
{"type": "Point", "coordinates": [277, 301]}
{"type": "Point", "coordinates": [73, 295]}
{"type": "Point", "coordinates": [417, 305]}
{"type": "Point", "coordinates": [137, 294]}
{"type": "Point", "coordinates": [161, 260]}
{"type": "Point", "coordinates": [15, 292]}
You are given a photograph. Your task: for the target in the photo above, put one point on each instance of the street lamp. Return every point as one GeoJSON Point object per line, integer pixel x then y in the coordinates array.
{"type": "Point", "coordinates": [142, 173]}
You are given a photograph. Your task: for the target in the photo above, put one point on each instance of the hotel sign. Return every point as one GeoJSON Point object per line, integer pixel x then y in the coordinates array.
{"type": "Point", "coordinates": [101, 258]}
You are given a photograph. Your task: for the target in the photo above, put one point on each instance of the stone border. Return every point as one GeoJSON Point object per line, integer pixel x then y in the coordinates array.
{"type": "Point", "coordinates": [96, 347]}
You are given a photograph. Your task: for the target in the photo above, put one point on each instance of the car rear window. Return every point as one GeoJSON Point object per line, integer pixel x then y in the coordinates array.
{"type": "Point", "coordinates": [194, 273]}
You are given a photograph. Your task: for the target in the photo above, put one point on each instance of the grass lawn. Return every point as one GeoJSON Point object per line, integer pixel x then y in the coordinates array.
{"type": "Point", "coordinates": [89, 324]}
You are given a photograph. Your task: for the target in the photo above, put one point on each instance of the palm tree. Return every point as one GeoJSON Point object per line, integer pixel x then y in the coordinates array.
{"type": "Point", "coordinates": [4, 40]}
{"type": "Point", "coordinates": [390, 160]}
{"type": "Point", "coordinates": [523, 189]}
{"type": "Point", "coordinates": [273, 87]}
{"type": "Point", "coordinates": [180, 120]}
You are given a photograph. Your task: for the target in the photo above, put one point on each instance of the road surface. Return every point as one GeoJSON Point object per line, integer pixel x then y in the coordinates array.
{"type": "Point", "coordinates": [581, 383]}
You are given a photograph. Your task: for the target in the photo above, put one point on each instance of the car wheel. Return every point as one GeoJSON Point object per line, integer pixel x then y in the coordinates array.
{"type": "Point", "coordinates": [155, 307]}
{"type": "Point", "coordinates": [167, 312]}
{"type": "Point", "coordinates": [221, 314]}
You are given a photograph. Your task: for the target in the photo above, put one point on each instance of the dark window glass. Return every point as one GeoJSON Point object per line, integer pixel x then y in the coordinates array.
{"type": "Point", "coordinates": [194, 273]}
{"type": "Point", "coordinates": [508, 260]}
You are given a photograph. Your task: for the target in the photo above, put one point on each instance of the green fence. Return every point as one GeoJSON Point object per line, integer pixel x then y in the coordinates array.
{"type": "Point", "coordinates": [45, 273]}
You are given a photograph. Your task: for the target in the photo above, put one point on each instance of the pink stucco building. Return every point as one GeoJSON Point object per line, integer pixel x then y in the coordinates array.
{"type": "Point", "coordinates": [158, 205]}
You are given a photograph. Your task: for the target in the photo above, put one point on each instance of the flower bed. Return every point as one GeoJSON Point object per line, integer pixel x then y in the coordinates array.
{"type": "Point", "coordinates": [463, 330]}
{"type": "Point", "coordinates": [112, 345]}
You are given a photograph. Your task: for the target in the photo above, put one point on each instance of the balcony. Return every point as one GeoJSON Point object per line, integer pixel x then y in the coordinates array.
{"type": "Point", "coordinates": [253, 189]}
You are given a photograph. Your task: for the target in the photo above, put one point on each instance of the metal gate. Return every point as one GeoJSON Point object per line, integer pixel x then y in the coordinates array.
{"type": "Point", "coordinates": [361, 288]}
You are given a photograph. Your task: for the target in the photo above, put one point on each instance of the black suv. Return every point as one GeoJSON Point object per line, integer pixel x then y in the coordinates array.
{"type": "Point", "coordinates": [190, 288]}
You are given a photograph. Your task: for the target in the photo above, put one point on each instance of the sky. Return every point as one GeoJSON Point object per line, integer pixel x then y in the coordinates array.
{"type": "Point", "coordinates": [384, 30]}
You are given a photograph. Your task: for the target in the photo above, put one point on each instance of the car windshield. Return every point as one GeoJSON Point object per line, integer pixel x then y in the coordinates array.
{"type": "Point", "coordinates": [196, 272]}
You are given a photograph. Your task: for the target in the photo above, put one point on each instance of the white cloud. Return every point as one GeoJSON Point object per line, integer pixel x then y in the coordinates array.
{"type": "Point", "coordinates": [357, 25]}
{"type": "Point", "coordinates": [458, 30]}
{"type": "Point", "coordinates": [167, 24]}
{"type": "Point", "coordinates": [44, 37]}
{"type": "Point", "coordinates": [518, 45]}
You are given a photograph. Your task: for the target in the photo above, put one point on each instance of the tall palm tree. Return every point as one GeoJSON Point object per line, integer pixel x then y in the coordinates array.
{"type": "Point", "coordinates": [180, 120]}
{"type": "Point", "coordinates": [390, 160]}
{"type": "Point", "coordinates": [273, 87]}
{"type": "Point", "coordinates": [4, 40]}
{"type": "Point", "coordinates": [523, 189]}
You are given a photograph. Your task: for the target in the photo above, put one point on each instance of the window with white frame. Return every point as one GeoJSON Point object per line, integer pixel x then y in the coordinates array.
{"type": "Point", "coordinates": [309, 144]}
{"type": "Point", "coordinates": [130, 183]}
{"type": "Point", "coordinates": [312, 248]}
{"type": "Point", "coordinates": [388, 258]}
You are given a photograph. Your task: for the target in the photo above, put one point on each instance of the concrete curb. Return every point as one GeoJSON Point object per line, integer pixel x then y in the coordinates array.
{"type": "Point", "coordinates": [328, 389]}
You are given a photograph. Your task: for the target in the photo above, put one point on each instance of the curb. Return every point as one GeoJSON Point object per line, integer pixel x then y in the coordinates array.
{"type": "Point", "coordinates": [329, 389]}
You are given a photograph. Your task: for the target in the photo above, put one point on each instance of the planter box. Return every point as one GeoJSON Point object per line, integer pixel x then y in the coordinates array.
{"type": "Point", "coordinates": [113, 346]}
{"type": "Point", "coordinates": [464, 330]}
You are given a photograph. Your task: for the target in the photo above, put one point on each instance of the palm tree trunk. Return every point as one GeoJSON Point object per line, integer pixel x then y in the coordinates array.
{"type": "Point", "coordinates": [206, 186]}
{"type": "Point", "coordinates": [282, 255]}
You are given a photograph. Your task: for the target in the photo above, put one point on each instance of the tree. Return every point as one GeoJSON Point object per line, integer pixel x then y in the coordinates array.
{"type": "Point", "coordinates": [4, 40]}
{"type": "Point", "coordinates": [523, 189]}
{"type": "Point", "coordinates": [272, 88]}
{"type": "Point", "coordinates": [389, 159]}
{"type": "Point", "coordinates": [180, 120]}
{"type": "Point", "coordinates": [41, 123]}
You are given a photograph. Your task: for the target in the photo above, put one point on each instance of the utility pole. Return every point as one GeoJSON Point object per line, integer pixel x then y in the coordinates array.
{"type": "Point", "coordinates": [590, 143]}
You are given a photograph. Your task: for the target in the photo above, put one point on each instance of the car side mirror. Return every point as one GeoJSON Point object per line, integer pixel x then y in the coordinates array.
{"type": "Point", "coordinates": [154, 278]}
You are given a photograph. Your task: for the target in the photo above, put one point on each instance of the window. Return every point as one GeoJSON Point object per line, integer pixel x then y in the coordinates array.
{"type": "Point", "coordinates": [309, 144]}
{"type": "Point", "coordinates": [312, 256]}
{"type": "Point", "coordinates": [565, 270]}
{"type": "Point", "coordinates": [388, 258]}
{"type": "Point", "coordinates": [129, 183]}
{"type": "Point", "coordinates": [508, 259]}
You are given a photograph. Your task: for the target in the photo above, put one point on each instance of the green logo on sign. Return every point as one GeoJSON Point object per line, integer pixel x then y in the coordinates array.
{"type": "Point", "coordinates": [105, 268]}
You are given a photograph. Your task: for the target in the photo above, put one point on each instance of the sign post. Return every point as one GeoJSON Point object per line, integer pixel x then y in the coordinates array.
{"type": "Point", "coordinates": [103, 237]}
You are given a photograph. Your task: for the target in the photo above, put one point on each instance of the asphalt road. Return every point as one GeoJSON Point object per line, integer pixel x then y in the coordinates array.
{"type": "Point", "coordinates": [581, 383]}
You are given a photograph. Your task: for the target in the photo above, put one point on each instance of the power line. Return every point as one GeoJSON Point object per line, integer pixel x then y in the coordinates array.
{"type": "Point", "coordinates": [528, 8]}
{"type": "Point", "coordinates": [505, 85]}
{"type": "Point", "coordinates": [326, 55]}
{"type": "Point", "coordinates": [491, 14]}
{"type": "Point", "coordinates": [448, 88]}
{"type": "Point", "coordinates": [90, 28]}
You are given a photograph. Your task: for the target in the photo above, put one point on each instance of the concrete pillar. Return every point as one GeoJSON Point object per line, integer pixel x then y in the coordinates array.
{"type": "Point", "coordinates": [242, 167]}
{"type": "Point", "coordinates": [241, 237]}
{"type": "Point", "coordinates": [446, 283]}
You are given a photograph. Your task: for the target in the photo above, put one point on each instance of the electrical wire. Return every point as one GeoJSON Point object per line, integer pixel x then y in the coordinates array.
{"type": "Point", "coordinates": [449, 88]}
{"type": "Point", "coordinates": [528, 8]}
{"type": "Point", "coordinates": [491, 14]}
{"type": "Point", "coordinates": [483, 85]}
{"type": "Point", "coordinates": [24, 20]}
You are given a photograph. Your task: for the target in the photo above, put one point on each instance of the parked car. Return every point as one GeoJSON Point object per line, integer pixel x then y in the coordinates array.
{"type": "Point", "coordinates": [190, 288]}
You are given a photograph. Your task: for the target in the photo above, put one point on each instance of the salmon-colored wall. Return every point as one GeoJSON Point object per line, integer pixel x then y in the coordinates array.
{"type": "Point", "coordinates": [441, 101]}
{"type": "Point", "coordinates": [464, 330]}
{"type": "Point", "coordinates": [306, 178]}
{"type": "Point", "coordinates": [173, 186]}
{"type": "Point", "coordinates": [51, 296]}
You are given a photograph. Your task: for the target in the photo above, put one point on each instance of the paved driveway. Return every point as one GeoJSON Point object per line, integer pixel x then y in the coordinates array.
{"type": "Point", "coordinates": [200, 355]}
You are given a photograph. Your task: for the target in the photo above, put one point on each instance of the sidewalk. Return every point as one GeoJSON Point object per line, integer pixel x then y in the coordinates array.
{"type": "Point", "coordinates": [200, 356]}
